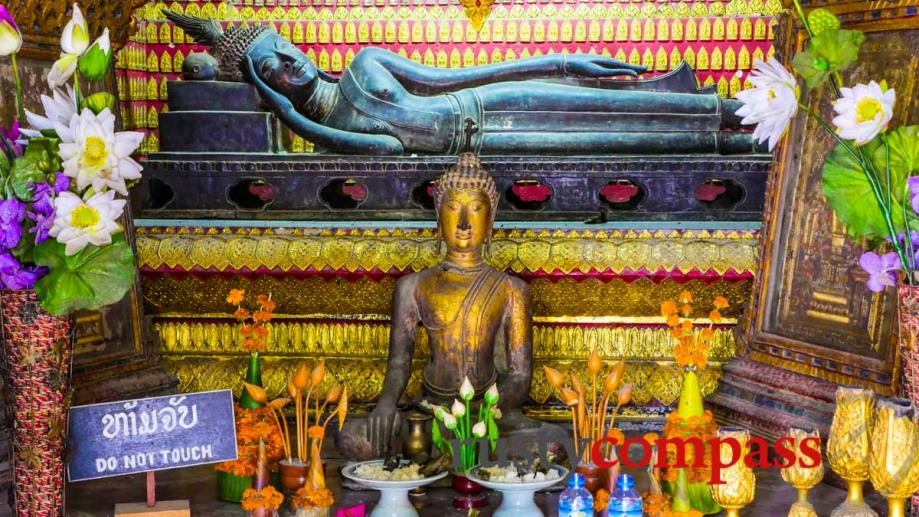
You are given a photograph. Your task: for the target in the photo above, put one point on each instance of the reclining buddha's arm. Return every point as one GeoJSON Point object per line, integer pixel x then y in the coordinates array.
{"type": "Point", "coordinates": [330, 138]}
{"type": "Point", "coordinates": [426, 80]}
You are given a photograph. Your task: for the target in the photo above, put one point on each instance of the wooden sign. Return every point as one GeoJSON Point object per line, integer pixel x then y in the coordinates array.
{"type": "Point", "coordinates": [146, 435]}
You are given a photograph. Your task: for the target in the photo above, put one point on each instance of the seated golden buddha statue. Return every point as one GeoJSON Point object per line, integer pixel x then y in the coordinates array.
{"type": "Point", "coordinates": [478, 320]}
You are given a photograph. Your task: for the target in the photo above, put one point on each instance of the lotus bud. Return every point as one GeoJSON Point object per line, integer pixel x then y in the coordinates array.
{"type": "Point", "coordinates": [594, 362]}
{"type": "Point", "coordinates": [10, 36]}
{"type": "Point", "coordinates": [449, 421]}
{"type": "Point", "coordinates": [478, 430]}
{"type": "Point", "coordinates": [496, 413]}
{"type": "Point", "coordinates": [293, 390]}
{"type": "Point", "coordinates": [439, 412]}
{"type": "Point", "coordinates": [624, 395]}
{"type": "Point", "coordinates": [75, 37]}
{"type": "Point", "coordinates": [614, 377]}
{"type": "Point", "coordinates": [342, 409]}
{"type": "Point", "coordinates": [302, 378]}
{"type": "Point", "coordinates": [458, 409]}
{"type": "Point", "coordinates": [332, 396]}
{"type": "Point", "coordinates": [466, 391]}
{"type": "Point", "coordinates": [278, 404]}
{"type": "Point", "coordinates": [256, 393]}
{"type": "Point", "coordinates": [95, 63]}
{"type": "Point", "coordinates": [99, 101]}
{"type": "Point", "coordinates": [569, 397]}
{"type": "Point", "coordinates": [555, 377]}
{"type": "Point", "coordinates": [491, 396]}
{"type": "Point", "coordinates": [318, 373]}
{"type": "Point", "coordinates": [576, 384]}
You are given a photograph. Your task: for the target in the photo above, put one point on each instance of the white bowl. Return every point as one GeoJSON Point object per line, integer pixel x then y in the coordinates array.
{"type": "Point", "coordinates": [393, 494]}
{"type": "Point", "coordinates": [517, 498]}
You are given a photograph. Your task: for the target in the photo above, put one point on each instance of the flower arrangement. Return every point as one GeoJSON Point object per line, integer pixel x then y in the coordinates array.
{"type": "Point", "coordinates": [458, 420]}
{"type": "Point", "coordinates": [871, 177]}
{"type": "Point", "coordinates": [60, 181]}
{"type": "Point", "coordinates": [590, 417]}
{"type": "Point", "coordinates": [687, 487]}
{"type": "Point", "coordinates": [262, 499]}
{"type": "Point", "coordinates": [254, 332]}
{"type": "Point", "coordinates": [252, 427]}
{"type": "Point", "coordinates": [309, 438]}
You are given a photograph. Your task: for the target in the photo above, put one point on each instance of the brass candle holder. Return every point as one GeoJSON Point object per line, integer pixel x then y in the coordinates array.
{"type": "Point", "coordinates": [893, 464]}
{"type": "Point", "coordinates": [739, 485]}
{"type": "Point", "coordinates": [802, 478]}
{"type": "Point", "coordinates": [849, 445]}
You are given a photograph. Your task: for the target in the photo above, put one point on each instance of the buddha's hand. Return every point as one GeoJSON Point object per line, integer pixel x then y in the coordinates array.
{"type": "Point", "coordinates": [589, 65]}
{"type": "Point", "coordinates": [277, 101]}
{"type": "Point", "coordinates": [383, 423]}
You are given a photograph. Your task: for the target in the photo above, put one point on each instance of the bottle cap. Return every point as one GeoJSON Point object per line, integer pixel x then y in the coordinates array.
{"type": "Point", "coordinates": [625, 482]}
{"type": "Point", "coordinates": [576, 481]}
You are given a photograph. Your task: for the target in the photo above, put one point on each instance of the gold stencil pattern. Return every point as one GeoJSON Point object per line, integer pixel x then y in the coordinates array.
{"type": "Point", "coordinates": [352, 250]}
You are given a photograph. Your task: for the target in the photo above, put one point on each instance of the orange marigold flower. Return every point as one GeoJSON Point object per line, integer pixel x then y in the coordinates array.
{"type": "Point", "coordinates": [253, 345]}
{"type": "Point", "coordinates": [651, 438]}
{"type": "Point", "coordinates": [267, 498]}
{"type": "Point", "coordinates": [668, 307]}
{"type": "Point", "coordinates": [707, 332]}
{"type": "Point", "coordinates": [673, 320]}
{"type": "Point", "coordinates": [269, 305]}
{"type": "Point", "coordinates": [715, 316]}
{"type": "Point", "coordinates": [262, 298]}
{"type": "Point", "coordinates": [720, 302]}
{"type": "Point", "coordinates": [261, 331]}
{"type": "Point", "coordinates": [601, 500]}
{"type": "Point", "coordinates": [241, 314]}
{"type": "Point", "coordinates": [247, 330]}
{"type": "Point", "coordinates": [686, 310]}
{"type": "Point", "coordinates": [616, 434]}
{"type": "Point", "coordinates": [308, 497]}
{"type": "Point", "coordinates": [676, 332]}
{"type": "Point", "coordinates": [236, 296]}
{"type": "Point", "coordinates": [261, 316]}
{"type": "Point", "coordinates": [687, 326]}
{"type": "Point", "coordinates": [685, 297]}
{"type": "Point", "coordinates": [315, 431]}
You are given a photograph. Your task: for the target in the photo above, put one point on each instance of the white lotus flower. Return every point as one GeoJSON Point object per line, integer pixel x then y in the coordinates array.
{"type": "Point", "coordinates": [62, 69]}
{"type": "Point", "coordinates": [466, 390]}
{"type": "Point", "coordinates": [59, 108]}
{"type": "Point", "coordinates": [478, 430]}
{"type": "Point", "coordinates": [75, 37]}
{"type": "Point", "coordinates": [458, 409]}
{"type": "Point", "coordinates": [78, 223]}
{"type": "Point", "coordinates": [491, 396]}
{"type": "Point", "coordinates": [864, 111]}
{"type": "Point", "coordinates": [450, 421]}
{"type": "Point", "coordinates": [771, 103]}
{"type": "Point", "coordinates": [97, 156]}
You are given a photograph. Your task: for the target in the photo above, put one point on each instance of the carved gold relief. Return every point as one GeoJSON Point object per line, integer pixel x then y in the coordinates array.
{"type": "Point", "coordinates": [659, 382]}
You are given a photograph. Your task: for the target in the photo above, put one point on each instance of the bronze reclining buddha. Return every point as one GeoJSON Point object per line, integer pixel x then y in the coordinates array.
{"type": "Point", "coordinates": [385, 104]}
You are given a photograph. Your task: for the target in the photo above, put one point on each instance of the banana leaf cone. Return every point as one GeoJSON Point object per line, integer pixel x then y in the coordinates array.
{"type": "Point", "coordinates": [253, 376]}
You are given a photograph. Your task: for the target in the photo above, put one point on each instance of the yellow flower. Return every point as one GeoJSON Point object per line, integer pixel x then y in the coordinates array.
{"type": "Point", "coordinates": [721, 302]}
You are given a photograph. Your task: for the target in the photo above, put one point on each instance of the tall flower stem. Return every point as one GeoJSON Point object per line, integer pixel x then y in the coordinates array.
{"type": "Point", "coordinates": [76, 88]}
{"type": "Point", "coordinates": [20, 106]}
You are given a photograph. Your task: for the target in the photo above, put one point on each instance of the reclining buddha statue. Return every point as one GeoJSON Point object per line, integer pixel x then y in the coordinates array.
{"type": "Point", "coordinates": [385, 104]}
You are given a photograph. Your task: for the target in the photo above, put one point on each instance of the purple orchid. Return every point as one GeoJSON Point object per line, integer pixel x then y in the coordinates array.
{"type": "Point", "coordinates": [61, 182]}
{"type": "Point", "coordinates": [13, 137]}
{"type": "Point", "coordinates": [42, 211]}
{"type": "Point", "coordinates": [913, 184]}
{"type": "Point", "coordinates": [12, 212]}
{"type": "Point", "coordinates": [14, 276]}
{"type": "Point", "coordinates": [881, 269]}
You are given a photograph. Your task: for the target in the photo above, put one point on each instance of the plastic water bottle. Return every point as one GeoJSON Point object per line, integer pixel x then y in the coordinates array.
{"type": "Point", "coordinates": [624, 500]}
{"type": "Point", "coordinates": [575, 501]}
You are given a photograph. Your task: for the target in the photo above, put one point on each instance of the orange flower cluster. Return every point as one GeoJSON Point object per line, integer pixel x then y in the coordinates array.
{"type": "Point", "coordinates": [601, 500]}
{"type": "Point", "coordinates": [655, 505]}
{"type": "Point", "coordinates": [689, 513]}
{"type": "Point", "coordinates": [255, 334]}
{"type": "Point", "coordinates": [691, 351]}
{"type": "Point", "coordinates": [308, 497]}
{"type": "Point", "coordinates": [703, 428]}
{"type": "Point", "coordinates": [267, 498]}
{"type": "Point", "coordinates": [253, 425]}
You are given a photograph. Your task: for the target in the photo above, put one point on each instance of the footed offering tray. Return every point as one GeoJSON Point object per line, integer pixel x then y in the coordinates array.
{"type": "Point", "coordinates": [517, 496]}
{"type": "Point", "coordinates": [393, 494]}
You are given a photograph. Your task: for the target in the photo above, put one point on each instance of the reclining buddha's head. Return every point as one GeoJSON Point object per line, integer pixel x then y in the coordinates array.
{"type": "Point", "coordinates": [278, 63]}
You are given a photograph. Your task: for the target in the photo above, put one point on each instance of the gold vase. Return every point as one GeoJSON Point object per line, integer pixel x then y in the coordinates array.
{"type": "Point", "coordinates": [802, 478]}
{"type": "Point", "coordinates": [739, 485]}
{"type": "Point", "coordinates": [848, 447]}
{"type": "Point", "coordinates": [893, 464]}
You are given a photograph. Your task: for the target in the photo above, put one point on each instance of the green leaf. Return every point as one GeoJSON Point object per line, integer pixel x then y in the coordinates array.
{"type": "Point", "coordinates": [493, 433]}
{"type": "Point", "coordinates": [437, 438]}
{"type": "Point", "coordinates": [88, 280]}
{"type": "Point", "coordinates": [43, 151]}
{"type": "Point", "coordinates": [832, 50]}
{"type": "Point", "coordinates": [700, 497]}
{"type": "Point", "coordinates": [904, 155]}
{"type": "Point", "coordinates": [24, 174]}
